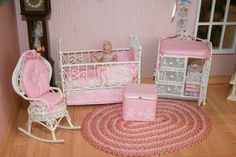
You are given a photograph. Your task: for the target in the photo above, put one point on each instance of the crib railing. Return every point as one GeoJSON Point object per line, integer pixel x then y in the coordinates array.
{"type": "Point", "coordinates": [83, 57]}
{"type": "Point", "coordinates": [81, 54]}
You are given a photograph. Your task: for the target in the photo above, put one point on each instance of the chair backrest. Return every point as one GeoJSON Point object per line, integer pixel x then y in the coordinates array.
{"type": "Point", "coordinates": [31, 75]}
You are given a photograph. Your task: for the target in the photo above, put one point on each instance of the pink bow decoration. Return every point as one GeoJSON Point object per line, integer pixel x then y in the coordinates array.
{"type": "Point", "coordinates": [133, 72]}
{"type": "Point", "coordinates": [102, 75]}
{"type": "Point", "coordinates": [32, 54]}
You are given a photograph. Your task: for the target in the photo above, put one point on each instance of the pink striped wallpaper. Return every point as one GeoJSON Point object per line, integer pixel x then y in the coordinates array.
{"type": "Point", "coordinates": [84, 24]}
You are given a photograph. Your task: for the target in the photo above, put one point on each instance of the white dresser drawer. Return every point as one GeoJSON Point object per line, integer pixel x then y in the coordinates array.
{"type": "Point", "coordinates": [173, 62]}
{"type": "Point", "coordinates": [171, 76]}
{"type": "Point", "coordinates": [167, 89]}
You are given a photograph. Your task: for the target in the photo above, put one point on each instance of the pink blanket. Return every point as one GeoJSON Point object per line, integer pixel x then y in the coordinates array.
{"type": "Point", "coordinates": [106, 75]}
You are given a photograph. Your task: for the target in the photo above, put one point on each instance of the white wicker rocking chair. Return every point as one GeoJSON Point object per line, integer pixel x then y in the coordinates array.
{"type": "Point", "coordinates": [47, 107]}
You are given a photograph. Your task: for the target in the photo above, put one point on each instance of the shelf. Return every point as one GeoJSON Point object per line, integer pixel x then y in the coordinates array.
{"type": "Point", "coordinates": [177, 97]}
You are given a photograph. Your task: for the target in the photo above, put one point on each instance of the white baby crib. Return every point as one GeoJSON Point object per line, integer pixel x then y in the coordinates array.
{"type": "Point", "coordinates": [86, 81]}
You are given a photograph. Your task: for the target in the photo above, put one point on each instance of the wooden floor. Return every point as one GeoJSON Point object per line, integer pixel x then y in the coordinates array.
{"type": "Point", "coordinates": [221, 142]}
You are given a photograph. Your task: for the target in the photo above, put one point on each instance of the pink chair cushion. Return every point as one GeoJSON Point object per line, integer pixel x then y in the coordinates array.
{"type": "Point", "coordinates": [35, 77]}
{"type": "Point", "coordinates": [53, 99]}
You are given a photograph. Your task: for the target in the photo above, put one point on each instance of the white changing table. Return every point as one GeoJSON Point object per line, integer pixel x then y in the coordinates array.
{"type": "Point", "coordinates": [172, 60]}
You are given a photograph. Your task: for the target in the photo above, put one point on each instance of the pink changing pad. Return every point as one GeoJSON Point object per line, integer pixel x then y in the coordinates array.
{"type": "Point", "coordinates": [177, 47]}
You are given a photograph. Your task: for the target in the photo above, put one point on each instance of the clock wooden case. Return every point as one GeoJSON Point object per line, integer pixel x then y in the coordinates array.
{"type": "Point", "coordinates": [35, 12]}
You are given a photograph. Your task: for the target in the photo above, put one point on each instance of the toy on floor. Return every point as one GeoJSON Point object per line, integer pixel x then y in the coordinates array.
{"type": "Point", "coordinates": [47, 107]}
{"type": "Point", "coordinates": [232, 94]}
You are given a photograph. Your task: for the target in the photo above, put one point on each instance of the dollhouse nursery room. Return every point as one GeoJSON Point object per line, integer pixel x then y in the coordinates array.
{"type": "Point", "coordinates": [107, 78]}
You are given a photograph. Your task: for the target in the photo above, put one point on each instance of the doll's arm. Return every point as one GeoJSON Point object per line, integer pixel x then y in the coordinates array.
{"type": "Point", "coordinates": [98, 56]}
{"type": "Point", "coordinates": [114, 58]}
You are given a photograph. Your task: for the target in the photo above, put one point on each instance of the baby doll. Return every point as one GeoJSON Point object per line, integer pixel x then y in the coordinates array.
{"type": "Point", "coordinates": [107, 55]}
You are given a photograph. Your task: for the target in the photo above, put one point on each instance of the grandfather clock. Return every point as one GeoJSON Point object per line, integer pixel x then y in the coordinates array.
{"type": "Point", "coordinates": [36, 12]}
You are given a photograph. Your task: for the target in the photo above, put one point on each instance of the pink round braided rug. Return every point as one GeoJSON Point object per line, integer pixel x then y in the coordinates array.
{"type": "Point", "coordinates": [179, 124]}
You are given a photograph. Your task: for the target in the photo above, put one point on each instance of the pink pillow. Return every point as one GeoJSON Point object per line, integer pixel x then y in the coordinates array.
{"type": "Point", "coordinates": [123, 56]}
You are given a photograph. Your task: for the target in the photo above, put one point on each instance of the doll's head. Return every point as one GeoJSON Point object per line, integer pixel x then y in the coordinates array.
{"type": "Point", "coordinates": [107, 47]}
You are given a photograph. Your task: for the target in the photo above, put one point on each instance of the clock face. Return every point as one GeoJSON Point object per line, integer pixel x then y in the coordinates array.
{"type": "Point", "coordinates": [34, 5]}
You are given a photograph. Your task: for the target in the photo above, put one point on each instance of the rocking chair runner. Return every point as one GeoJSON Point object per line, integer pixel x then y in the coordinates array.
{"type": "Point", "coordinates": [47, 105]}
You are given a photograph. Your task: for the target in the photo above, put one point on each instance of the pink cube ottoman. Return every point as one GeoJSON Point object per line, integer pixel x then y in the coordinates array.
{"type": "Point", "coordinates": [140, 102]}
